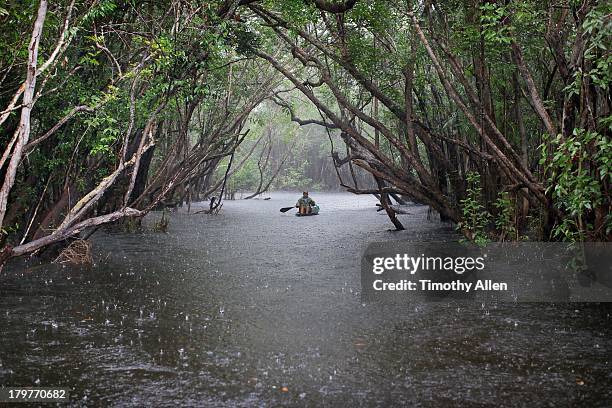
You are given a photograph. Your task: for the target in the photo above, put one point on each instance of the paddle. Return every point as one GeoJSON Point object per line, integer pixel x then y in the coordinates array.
{"type": "Point", "coordinates": [286, 209]}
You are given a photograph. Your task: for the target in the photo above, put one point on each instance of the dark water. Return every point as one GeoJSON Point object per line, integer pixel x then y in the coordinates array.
{"type": "Point", "coordinates": [257, 308]}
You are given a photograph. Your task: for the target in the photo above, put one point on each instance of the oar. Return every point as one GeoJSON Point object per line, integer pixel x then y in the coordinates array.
{"type": "Point", "coordinates": [286, 209]}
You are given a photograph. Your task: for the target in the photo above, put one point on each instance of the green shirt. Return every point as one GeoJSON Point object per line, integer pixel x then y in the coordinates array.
{"type": "Point", "coordinates": [304, 201]}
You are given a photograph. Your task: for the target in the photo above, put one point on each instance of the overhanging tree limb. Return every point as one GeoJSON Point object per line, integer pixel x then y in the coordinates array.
{"type": "Point", "coordinates": [335, 7]}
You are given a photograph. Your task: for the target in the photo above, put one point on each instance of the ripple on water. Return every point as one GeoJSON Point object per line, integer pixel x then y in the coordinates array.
{"type": "Point", "coordinates": [254, 307]}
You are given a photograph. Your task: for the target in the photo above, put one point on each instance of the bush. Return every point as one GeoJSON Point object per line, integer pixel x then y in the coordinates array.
{"type": "Point", "coordinates": [475, 216]}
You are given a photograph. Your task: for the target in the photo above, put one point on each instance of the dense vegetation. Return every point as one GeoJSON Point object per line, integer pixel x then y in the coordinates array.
{"type": "Point", "coordinates": [496, 114]}
{"type": "Point", "coordinates": [279, 154]}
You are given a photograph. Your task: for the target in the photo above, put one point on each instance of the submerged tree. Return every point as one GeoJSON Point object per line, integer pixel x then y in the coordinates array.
{"type": "Point", "coordinates": [131, 104]}
{"type": "Point", "coordinates": [425, 93]}
{"type": "Point", "coordinates": [111, 108]}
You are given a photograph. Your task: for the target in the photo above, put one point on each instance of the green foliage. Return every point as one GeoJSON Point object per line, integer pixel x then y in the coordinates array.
{"type": "Point", "coordinates": [501, 24]}
{"type": "Point", "coordinates": [305, 150]}
{"type": "Point", "coordinates": [180, 61]}
{"type": "Point", "coordinates": [504, 222]}
{"type": "Point", "coordinates": [244, 41]}
{"type": "Point", "coordinates": [99, 10]}
{"type": "Point", "coordinates": [576, 170]}
{"type": "Point", "coordinates": [598, 36]}
{"type": "Point", "coordinates": [245, 179]}
{"type": "Point", "coordinates": [493, 28]}
{"type": "Point", "coordinates": [7, 230]}
{"type": "Point", "coordinates": [297, 11]}
{"type": "Point", "coordinates": [294, 178]}
{"type": "Point", "coordinates": [375, 14]}
{"type": "Point", "coordinates": [162, 224]}
{"type": "Point", "coordinates": [598, 29]}
{"type": "Point", "coordinates": [475, 216]}
{"type": "Point", "coordinates": [104, 127]}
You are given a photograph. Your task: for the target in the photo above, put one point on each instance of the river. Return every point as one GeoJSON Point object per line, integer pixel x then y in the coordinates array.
{"type": "Point", "coordinates": [253, 307]}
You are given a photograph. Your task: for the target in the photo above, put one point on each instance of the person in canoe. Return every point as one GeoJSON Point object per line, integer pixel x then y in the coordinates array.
{"type": "Point", "coordinates": [306, 205]}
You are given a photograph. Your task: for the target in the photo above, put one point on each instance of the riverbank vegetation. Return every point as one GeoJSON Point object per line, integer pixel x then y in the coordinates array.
{"type": "Point", "coordinates": [111, 108]}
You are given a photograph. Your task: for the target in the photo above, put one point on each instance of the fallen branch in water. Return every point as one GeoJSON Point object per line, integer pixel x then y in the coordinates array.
{"type": "Point", "coordinates": [9, 252]}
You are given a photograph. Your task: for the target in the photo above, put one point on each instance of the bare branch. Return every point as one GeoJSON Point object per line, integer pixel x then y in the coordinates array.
{"type": "Point", "coordinates": [24, 123]}
{"type": "Point", "coordinates": [59, 124]}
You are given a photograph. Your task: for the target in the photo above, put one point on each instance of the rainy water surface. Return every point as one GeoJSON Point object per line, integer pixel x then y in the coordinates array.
{"type": "Point", "coordinates": [257, 308]}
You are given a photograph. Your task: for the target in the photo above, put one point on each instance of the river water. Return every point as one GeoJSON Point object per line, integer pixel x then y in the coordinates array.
{"type": "Point", "coordinates": [253, 307]}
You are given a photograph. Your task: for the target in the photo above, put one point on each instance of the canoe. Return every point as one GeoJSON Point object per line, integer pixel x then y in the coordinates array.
{"type": "Point", "coordinates": [315, 211]}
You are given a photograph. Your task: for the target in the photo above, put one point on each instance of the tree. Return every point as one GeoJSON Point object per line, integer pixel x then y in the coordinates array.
{"type": "Point", "coordinates": [131, 105]}
{"type": "Point", "coordinates": [419, 94]}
